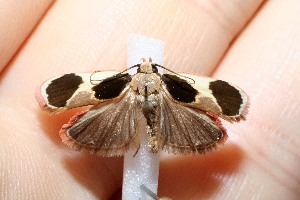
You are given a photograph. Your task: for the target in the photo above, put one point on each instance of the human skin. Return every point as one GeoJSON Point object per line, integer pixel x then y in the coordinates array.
{"type": "Point", "coordinates": [252, 44]}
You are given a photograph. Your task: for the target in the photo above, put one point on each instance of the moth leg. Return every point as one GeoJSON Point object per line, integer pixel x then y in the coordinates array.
{"type": "Point", "coordinates": [137, 150]}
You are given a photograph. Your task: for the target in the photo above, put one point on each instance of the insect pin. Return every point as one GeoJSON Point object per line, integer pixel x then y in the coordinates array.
{"type": "Point", "coordinates": [152, 194]}
{"type": "Point", "coordinates": [182, 110]}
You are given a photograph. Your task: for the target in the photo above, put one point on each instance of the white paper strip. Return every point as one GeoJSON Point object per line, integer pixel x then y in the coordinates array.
{"type": "Point", "coordinates": [144, 167]}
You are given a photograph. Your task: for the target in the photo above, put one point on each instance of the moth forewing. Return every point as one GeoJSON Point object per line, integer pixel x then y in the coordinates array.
{"type": "Point", "coordinates": [76, 90]}
{"type": "Point", "coordinates": [211, 95]}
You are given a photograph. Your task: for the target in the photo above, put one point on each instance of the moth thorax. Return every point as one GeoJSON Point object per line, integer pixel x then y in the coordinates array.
{"type": "Point", "coordinates": [146, 67]}
{"type": "Point", "coordinates": [146, 84]}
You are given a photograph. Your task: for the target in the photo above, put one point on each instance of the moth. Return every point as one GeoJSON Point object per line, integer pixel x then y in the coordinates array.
{"type": "Point", "coordinates": [182, 111]}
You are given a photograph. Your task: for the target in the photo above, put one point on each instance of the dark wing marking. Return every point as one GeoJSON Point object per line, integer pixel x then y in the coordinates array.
{"type": "Point", "coordinates": [185, 131]}
{"type": "Point", "coordinates": [207, 94]}
{"type": "Point", "coordinates": [111, 87]}
{"type": "Point", "coordinates": [58, 97]}
{"type": "Point", "coordinates": [108, 130]}
{"type": "Point", "coordinates": [227, 96]}
{"type": "Point", "coordinates": [179, 89]}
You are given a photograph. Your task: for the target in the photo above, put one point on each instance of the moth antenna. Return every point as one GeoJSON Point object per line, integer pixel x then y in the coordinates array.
{"type": "Point", "coordinates": [138, 65]}
{"type": "Point", "coordinates": [175, 73]}
{"type": "Point", "coordinates": [91, 80]}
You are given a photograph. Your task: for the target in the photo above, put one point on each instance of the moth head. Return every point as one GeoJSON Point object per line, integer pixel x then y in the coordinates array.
{"type": "Point", "coordinates": [146, 66]}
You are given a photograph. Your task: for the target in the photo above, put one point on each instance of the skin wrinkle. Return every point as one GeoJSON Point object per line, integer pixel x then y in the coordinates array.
{"type": "Point", "coordinates": [217, 11]}
{"type": "Point", "coordinates": [223, 21]}
{"type": "Point", "coordinates": [14, 32]}
{"type": "Point", "coordinates": [263, 159]}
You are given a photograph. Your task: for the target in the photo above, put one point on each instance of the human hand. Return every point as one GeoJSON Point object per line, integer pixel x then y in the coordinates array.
{"type": "Point", "coordinates": [260, 159]}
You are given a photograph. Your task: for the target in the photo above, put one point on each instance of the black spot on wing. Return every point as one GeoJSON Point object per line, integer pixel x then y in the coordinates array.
{"type": "Point", "coordinates": [179, 88]}
{"type": "Point", "coordinates": [61, 89]}
{"type": "Point", "coordinates": [227, 96]}
{"type": "Point", "coordinates": [111, 87]}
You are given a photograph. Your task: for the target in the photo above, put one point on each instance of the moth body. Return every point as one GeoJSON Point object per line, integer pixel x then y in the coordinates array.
{"type": "Point", "coordinates": [147, 85]}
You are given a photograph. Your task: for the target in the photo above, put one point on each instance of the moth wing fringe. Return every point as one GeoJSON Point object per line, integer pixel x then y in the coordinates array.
{"type": "Point", "coordinates": [116, 152]}
{"type": "Point", "coordinates": [185, 150]}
